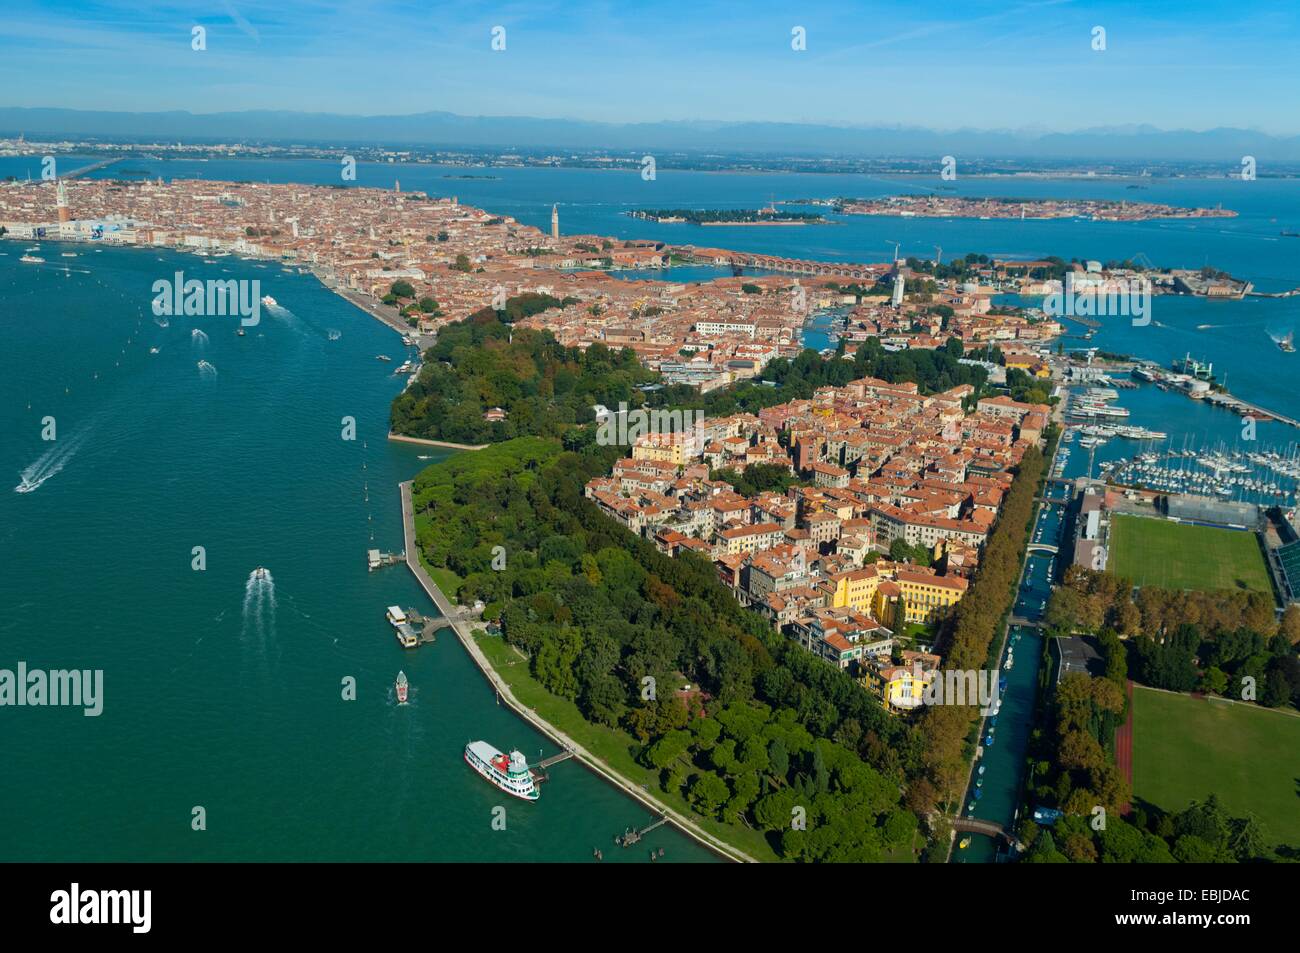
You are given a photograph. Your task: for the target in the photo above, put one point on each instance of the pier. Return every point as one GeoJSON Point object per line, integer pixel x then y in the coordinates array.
{"type": "Point", "coordinates": [1220, 398]}
{"type": "Point", "coordinates": [428, 626]}
{"type": "Point", "coordinates": [539, 771]}
{"type": "Point", "coordinates": [632, 835]}
{"type": "Point", "coordinates": [377, 560]}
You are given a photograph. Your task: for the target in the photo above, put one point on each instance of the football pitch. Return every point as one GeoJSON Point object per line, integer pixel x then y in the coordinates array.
{"type": "Point", "coordinates": [1154, 552]}
{"type": "Point", "coordinates": [1185, 748]}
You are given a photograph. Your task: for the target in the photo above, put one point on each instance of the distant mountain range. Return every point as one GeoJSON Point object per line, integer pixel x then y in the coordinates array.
{"type": "Point", "coordinates": [448, 130]}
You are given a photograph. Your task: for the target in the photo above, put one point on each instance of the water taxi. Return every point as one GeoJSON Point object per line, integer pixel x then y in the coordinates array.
{"type": "Point", "coordinates": [507, 772]}
{"type": "Point", "coordinates": [260, 572]}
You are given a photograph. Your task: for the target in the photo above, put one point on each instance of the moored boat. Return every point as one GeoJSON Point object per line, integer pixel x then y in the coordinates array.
{"type": "Point", "coordinates": [509, 773]}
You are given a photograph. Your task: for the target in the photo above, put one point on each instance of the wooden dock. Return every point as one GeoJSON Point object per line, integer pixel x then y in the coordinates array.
{"type": "Point", "coordinates": [377, 560]}
{"type": "Point", "coordinates": [632, 835]}
{"type": "Point", "coordinates": [539, 771]}
{"type": "Point", "coordinates": [428, 626]}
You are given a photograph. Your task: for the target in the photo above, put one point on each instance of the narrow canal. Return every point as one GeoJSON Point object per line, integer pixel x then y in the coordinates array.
{"type": "Point", "coordinates": [994, 791]}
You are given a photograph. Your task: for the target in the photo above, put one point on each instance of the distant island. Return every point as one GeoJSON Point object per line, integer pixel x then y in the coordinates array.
{"type": "Point", "coordinates": [471, 176]}
{"type": "Point", "coordinates": [713, 216]}
{"type": "Point", "coordinates": [949, 206]}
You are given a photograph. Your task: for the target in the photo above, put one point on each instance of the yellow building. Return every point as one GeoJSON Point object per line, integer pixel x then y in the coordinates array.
{"type": "Point", "coordinates": [856, 590]}
{"type": "Point", "coordinates": [904, 688]}
{"type": "Point", "coordinates": [896, 595]}
{"type": "Point", "coordinates": [661, 450]}
{"type": "Point", "coordinates": [924, 596]}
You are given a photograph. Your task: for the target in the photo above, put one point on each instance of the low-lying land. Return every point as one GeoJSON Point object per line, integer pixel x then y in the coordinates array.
{"type": "Point", "coordinates": [949, 206]}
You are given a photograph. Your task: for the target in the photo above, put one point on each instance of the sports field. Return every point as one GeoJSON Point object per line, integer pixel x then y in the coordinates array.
{"type": "Point", "coordinates": [1154, 552]}
{"type": "Point", "coordinates": [1185, 748]}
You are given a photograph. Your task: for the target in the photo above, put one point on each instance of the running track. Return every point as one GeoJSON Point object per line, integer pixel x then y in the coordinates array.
{"type": "Point", "coordinates": [1124, 744]}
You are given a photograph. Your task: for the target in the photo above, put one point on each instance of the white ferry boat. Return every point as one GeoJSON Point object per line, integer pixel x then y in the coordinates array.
{"type": "Point", "coordinates": [509, 773]}
{"type": "Point", "coordinates": [32, 259]}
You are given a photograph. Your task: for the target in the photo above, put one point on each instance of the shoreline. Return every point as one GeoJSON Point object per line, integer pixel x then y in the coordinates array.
{"type": "Point", "coordinates": [591, 762]}
{"type": "Point", "coordinates": [426, 442]}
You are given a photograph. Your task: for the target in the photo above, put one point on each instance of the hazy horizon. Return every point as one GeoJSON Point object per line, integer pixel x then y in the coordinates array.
{"type": "Point", "coordinates": [1053, 66]}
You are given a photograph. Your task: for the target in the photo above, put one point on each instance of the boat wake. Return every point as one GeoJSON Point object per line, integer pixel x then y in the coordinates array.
{"type": "Point", "coordinates": [207, 371]}
{"type": "Point", "coordinates": [334, 335]}
{"type": "Point", "coordinates": [51, 462]}
{"type": "Point", "coordinates": [199, 338]}
{"type": "Point", "coordinates": [259, 606]}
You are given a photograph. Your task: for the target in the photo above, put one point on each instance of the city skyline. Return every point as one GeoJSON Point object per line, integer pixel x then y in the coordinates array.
{"type": "Point", "coordinates": [1034, 67]}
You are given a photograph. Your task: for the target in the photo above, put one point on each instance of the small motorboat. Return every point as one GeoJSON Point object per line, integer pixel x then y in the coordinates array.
{"type": "Point", "coordinates": [964, 843]}
{"type": "Point", "coordinates": [402, 688]}
{"type": "Point", "coordinates": [981, 771]}
{"type": "Point", "coordinates": [240, 332]}
{"type": "Point", "coordinates": [260, 573]}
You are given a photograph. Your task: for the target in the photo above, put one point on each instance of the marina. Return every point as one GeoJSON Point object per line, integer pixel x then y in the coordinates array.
{"type": "Point", "coordinates": [1263, 476]}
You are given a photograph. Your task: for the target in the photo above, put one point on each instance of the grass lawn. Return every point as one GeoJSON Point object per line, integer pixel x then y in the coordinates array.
{"type": "Point", "coordinates": [1185, 748]}
{"type": "Point", "coordinates": [1154, 552]}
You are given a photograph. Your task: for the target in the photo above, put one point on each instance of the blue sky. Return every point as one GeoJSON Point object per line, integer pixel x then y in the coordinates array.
{"type": "Point", "coordinates": [996, 65]}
